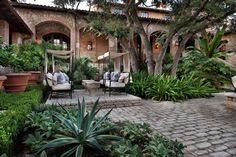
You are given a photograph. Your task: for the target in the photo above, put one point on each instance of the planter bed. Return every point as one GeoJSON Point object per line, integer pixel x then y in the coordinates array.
{"type": "Point", "coordinates": [48, 124]}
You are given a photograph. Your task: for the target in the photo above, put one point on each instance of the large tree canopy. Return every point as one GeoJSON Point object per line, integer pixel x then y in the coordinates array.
{"type": "Point", "coordinates": [188, 18]}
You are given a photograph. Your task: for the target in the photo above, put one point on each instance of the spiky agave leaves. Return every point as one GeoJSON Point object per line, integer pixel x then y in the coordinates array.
{"type": "Point", "coordinates": [81, 130]}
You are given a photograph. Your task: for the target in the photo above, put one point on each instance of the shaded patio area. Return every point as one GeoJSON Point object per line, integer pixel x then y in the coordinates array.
{"type": "Point", "coordinates": [116, 99]}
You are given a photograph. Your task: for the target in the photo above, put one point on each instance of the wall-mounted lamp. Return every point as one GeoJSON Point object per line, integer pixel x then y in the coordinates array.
{"type": "Point", "coordinates": [157, 45]}
{"type": "Point", "coordinates": [90, 45]}
{"type": "Point", "coordinates": [176, 43]}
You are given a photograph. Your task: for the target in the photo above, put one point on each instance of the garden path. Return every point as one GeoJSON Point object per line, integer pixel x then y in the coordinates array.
{"type": "Point", "coordinates": [204, 125]}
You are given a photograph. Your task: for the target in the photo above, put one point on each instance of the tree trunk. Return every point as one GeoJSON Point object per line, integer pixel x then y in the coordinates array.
{"type": "Point", "coordinates": [148, 51]}
{"type": "Point", "coordinates": [134, 59]}
{"type": "Point", "coordinates": [178, 53]}
{"type": "Point", "coordinates": [158, 66]}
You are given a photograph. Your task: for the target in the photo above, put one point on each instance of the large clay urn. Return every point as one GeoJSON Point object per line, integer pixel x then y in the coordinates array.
{"type": "Point", "coordinates": [2, 78]}
{"type": "Point", "coordinates": [34, 77]}
{"type": "Point", "coordinates": [16, 82]}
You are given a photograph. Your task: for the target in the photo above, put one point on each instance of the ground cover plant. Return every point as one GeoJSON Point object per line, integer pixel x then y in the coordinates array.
{"type": "Point", "coordinates": [76, 132]}
{"type": "Point", "coordinates": [14, 109]}
{"type": "Point", "coordinates": [169, 88]}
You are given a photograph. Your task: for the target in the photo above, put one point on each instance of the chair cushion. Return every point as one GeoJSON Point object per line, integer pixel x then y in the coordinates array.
{"type": "Point", "coordinates": [102, 82]}
{"type": "Point", "coordinates": [114, 84]}
{"type": "Point", "coordinates": [123, 76]}
{"type": "Point", "coordinates": [49, 78]}
{"type": "Point", "coordinates": [106, 76]}
{"type": "Point", "coordinates": [65, 86]}
{"type": "Point", "coordinates": [115, 76]}
{"type": "Point", "coordinates": [234, 81]}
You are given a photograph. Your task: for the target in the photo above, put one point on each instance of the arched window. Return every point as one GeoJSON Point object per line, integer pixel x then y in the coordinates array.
{"type": "Point", "coordinates": [58, 39]}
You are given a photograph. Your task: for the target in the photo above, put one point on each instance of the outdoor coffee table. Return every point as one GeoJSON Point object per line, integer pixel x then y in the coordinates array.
{"type": "Point", "coordinates": [91, 86]}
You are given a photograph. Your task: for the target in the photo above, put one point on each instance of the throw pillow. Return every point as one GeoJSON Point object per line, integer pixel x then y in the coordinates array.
{"type": "Point", "coordinates": [60, 78]}
{"type": "Point", "coordinates": [115, 76]}
{"type": "Point", "coordinates": [106, 76]}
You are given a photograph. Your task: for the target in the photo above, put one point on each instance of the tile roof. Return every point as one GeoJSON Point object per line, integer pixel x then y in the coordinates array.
{"type": "Point", "coordinates": [79, 11]}
{"type": "Point", "coordinates": [8, 13]}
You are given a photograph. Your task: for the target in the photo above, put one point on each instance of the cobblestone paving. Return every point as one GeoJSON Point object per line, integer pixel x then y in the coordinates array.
{"type": "Point", "coordinates": [204, 125]}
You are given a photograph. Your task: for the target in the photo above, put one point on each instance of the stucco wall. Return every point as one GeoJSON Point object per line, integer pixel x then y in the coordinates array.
{"type": "Point", "coordinates": [4, 31]}
{"type": "Point", "coordinates": [231, 38]}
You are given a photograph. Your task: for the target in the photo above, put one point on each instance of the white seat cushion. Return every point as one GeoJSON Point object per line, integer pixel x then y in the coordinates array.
{"type": "Point", "coordinates": [49, 78]}
{"type": "Point", "coordinates": [234, 81]}
{"type": "Point", "coordinates": [125, 78]}
{"type": "Point", "coordinates": [114, 84]}
{"type": "Point", "coordinates": [65, 86]}
{"type": "Point", "coordinates": [102, 81]}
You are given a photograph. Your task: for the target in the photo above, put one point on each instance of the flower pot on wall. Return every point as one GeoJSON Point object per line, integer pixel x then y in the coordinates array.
{"type": "Point", "coordinates": [34, 77]}
{"type": "Point", "coordinates": [16, 82]}
{"type": "Point", "coordinates": [2, 78]}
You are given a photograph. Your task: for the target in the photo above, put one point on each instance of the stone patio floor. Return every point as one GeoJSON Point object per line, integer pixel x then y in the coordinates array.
{"type": "Point", "coordinates": [204, 125]}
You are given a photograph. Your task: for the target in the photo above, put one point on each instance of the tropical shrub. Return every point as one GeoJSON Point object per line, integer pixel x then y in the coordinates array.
{"type": "Point", "coordinates": [84, 70]}
{"type": "Point", "coordinates": [211, 69]}
{"type": "Point", "coordinates": [168, 88]}
{"type": "Point", "coordinates": [210, 46]}
{"type": "Point", "coordinates": [15, 108]}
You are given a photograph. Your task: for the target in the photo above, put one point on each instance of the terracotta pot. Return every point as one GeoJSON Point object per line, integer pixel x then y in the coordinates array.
{"type": "Point", "coordinates": [34, 77]}
{"type": "Point", "coordinates": [16, 82]}
{"type": "Point", "coordinates": [2, 78]}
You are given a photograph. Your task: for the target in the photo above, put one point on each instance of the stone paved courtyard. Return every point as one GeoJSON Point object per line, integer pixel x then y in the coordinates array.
{"type": "Point", "coordinates": [204, 125]}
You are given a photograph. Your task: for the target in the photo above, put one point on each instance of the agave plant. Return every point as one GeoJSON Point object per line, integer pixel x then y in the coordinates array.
{"type": "Point", "coordinates": [81, 131]}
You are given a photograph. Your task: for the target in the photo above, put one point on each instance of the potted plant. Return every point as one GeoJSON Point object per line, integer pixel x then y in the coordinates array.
{"type": "Point", "coordinates": [2, 78]}
{"type": "Point", "coordinates": [30, 57]}
{"type": "Point", "coordinates": [15, 82]}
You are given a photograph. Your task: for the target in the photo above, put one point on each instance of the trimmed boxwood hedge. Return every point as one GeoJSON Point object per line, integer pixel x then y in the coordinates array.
{"type": "Point", "coordinates": [15, 107]}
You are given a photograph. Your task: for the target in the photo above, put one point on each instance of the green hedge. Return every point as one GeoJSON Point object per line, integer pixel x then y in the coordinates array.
{"type": "Point", "coordinates": [16, 106]}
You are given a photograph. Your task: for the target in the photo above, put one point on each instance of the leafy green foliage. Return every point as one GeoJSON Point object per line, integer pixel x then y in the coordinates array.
{"type": "Point", "coordinates": [35, 140]}
{"type": "Point", "coordinates": [169, 88]}
{"type": "Point", "coordinates": [29, 57]}
{"type": "Point", "coordinates": [135, 142]}
{"type": "Point", "coordinates": [125, 149]}
{"type": "Point", "coordinates": [7, 56]}
{"type": "Point", "coordinates": [160, 146]}
{"type": "Point", "coordinates": [80, 131]}
{"type": "Point", "coordinates": [136, 133]}
{"type": "Point", "coordinates": [167, 63]}
{"type": "Point", "coordinates": [211, 45]}
{"type": "Point", "coordinates": [211, 69]}
{"type": "Point", "coordinates": [84, 70]}
{"type": "Point", "coordinates": [108, 25]}
{"type": "Point", "coordinates": [16, 106]}
{"type": "Point", "coordinates": [139, 141]}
